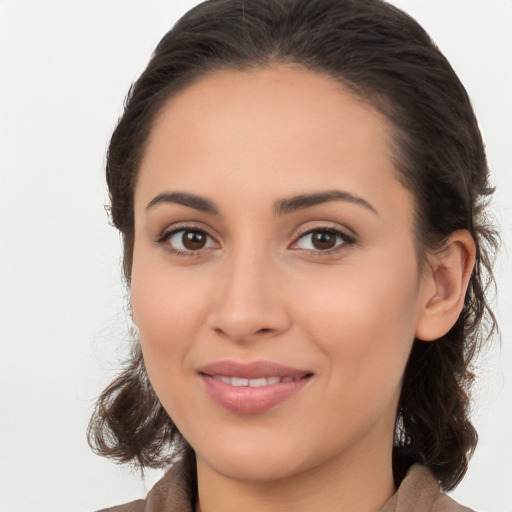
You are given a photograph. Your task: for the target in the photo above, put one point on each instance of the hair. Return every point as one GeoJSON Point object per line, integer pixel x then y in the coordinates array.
{"type": "Point", "coordinates": [385, 57]}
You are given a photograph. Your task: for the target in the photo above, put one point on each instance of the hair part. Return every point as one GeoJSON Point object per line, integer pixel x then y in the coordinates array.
{"type": "Point", "coordinates": [383, 56]}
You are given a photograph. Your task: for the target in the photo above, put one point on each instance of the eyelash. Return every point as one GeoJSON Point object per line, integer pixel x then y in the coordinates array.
{"type": "Point", "coordinates": [167, 235]}
{"type": "Point", "coordinates": [341, 236]}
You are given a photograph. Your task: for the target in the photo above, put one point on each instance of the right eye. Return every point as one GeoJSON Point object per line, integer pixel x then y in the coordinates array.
{"type": "Point", "coordinates": [185, 242]}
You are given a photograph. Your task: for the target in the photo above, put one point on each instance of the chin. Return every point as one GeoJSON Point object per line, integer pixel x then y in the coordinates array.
{"type": "Point", "coordinates": [253, 463]}
{"type": "Point", "coordinates": [254, 471]}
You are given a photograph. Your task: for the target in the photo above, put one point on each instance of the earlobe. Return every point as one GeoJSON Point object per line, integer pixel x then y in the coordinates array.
{"type": "Point", "coordinates": [449, 274]}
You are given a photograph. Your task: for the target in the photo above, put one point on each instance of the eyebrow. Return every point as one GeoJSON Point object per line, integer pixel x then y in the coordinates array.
{"type": "Point", "coordinates": [292, 204]}
{"type": "Point", "coordinates": [281, 207]}
{"type": "Point", "coordinates": [191, 200]}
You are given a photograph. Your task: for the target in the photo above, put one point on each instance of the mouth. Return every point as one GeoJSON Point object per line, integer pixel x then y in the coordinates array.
{"type": "Point", "coordinates": [252, 388]}
{"type": "Point", "coordinates": [253, 383]}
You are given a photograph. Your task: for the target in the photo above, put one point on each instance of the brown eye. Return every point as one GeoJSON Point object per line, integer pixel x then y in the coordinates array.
{"type": "Point", "coordinates": [323, 240]}
{"type": "Point", "coordinates": [187, 241]}
{"type": "Point", "coordinates": [193, 240]}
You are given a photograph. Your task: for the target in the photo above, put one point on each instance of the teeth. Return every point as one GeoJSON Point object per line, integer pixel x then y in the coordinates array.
{"type": "Point", "coordinates": [253, 383]}
{"type": "Point", "coordinates": [238, 381]}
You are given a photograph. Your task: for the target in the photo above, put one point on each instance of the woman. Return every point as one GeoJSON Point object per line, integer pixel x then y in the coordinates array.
{"type": "Point", "coordinates": [300, 186]}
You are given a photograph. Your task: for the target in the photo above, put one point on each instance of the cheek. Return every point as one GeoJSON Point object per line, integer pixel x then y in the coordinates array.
{"type": "Point", "coordinates": [169, 308]}
{"type": "Point", "coordinates": [364, 321]}
{"type": "Point", "coordinates": [168, 313]}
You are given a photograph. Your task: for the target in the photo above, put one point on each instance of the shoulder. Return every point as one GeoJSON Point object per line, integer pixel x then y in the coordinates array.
{"type": "Point", "coordinates": [133, 506]}
{"type": "Point", "coordinates": [420, 491]}
{"type": "Point", "coordinates": [172, 493]}
{"type": "Point", "coordinates": [446, 504]}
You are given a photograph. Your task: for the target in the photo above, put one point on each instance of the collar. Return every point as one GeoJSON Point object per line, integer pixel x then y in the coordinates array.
{"type": "Point", "coordinates": [418, 492]}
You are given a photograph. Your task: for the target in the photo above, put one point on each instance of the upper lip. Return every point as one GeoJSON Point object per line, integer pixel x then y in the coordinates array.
{"type": "Point", "coordinates": [253, 370]}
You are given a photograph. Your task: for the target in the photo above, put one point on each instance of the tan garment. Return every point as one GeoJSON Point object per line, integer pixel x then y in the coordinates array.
{"type": "Point", "coordinates": [418, 492]}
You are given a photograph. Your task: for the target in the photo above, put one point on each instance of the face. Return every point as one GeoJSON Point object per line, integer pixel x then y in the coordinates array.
{"type": "Point", "coordinates": [275, 282]}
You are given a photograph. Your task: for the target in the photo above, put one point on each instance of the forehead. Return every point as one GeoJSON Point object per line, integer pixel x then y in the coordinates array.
{"type": "Point", "coordinates": [273, 101]}
{"type": "Point", "coordinates": [272, 130]}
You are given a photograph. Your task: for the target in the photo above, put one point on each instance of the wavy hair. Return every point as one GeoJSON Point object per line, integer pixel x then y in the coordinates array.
{"type": "Point", "coordinates": [385, 57]}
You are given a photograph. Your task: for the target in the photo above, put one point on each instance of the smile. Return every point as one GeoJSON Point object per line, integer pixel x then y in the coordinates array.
{"type": "Point", "coordinates": [253, 383]}
{"type": "Point", "coordinates": [252, 388]}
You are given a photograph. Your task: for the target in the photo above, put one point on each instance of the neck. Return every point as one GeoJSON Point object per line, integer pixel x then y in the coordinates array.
{"type": "Point", "coordinates": [361, 485]}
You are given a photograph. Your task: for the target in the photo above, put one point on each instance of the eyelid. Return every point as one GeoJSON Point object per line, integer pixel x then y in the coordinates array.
{"type": "Point", "coordinates": [324, 225]}
{"type": "Point", "coordinates": [170, 231]}
{"type": "Point", "coordinates": [347, 238]}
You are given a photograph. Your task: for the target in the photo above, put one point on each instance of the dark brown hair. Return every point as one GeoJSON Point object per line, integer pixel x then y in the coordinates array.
{"type": "Point", "coordinates": [385, 57]}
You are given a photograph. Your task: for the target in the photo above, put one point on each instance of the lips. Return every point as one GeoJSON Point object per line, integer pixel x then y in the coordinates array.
{"type": "Point", "coordinates": [252, 388]}
{"type": "Point", "coordinates": [253, 383]}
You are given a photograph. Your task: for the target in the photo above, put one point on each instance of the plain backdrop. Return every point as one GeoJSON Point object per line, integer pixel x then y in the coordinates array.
{"type": "Point", "coordinates": [65, 67]}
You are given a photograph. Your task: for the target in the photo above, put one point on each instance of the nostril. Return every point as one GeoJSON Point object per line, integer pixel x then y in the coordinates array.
{"type": "Point", "coordinates": [219, 331]}
{"type": "Point", "coordinates": [241, 321]}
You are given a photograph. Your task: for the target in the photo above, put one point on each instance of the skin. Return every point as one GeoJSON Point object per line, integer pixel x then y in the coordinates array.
{"type": "Point", "coordinates": [260, 289]}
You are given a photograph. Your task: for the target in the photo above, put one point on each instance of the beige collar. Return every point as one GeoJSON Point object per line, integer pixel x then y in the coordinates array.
{"type": "Point", "coordinates": [418, 492]}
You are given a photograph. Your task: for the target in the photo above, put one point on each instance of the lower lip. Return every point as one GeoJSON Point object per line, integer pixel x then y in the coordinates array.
{"type": "Point", "coordinates": [251, 400]}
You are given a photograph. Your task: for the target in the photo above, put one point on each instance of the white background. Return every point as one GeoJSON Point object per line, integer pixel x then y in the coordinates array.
{"type": "Point", "coordinates": [65, 67]}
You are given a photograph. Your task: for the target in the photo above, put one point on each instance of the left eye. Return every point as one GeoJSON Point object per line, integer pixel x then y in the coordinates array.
{"type": "Point", "coordinates": [321, 240]}
{"type": "Point", "coordinates": [189, 240]}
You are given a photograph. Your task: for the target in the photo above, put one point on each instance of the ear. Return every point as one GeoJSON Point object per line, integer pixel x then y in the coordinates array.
{"type": "Point", "coordinates": [446, 283]}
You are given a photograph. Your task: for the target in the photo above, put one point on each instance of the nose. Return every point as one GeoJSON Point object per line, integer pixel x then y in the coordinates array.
{"type": "Point", "coordinates": [250, 300]}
